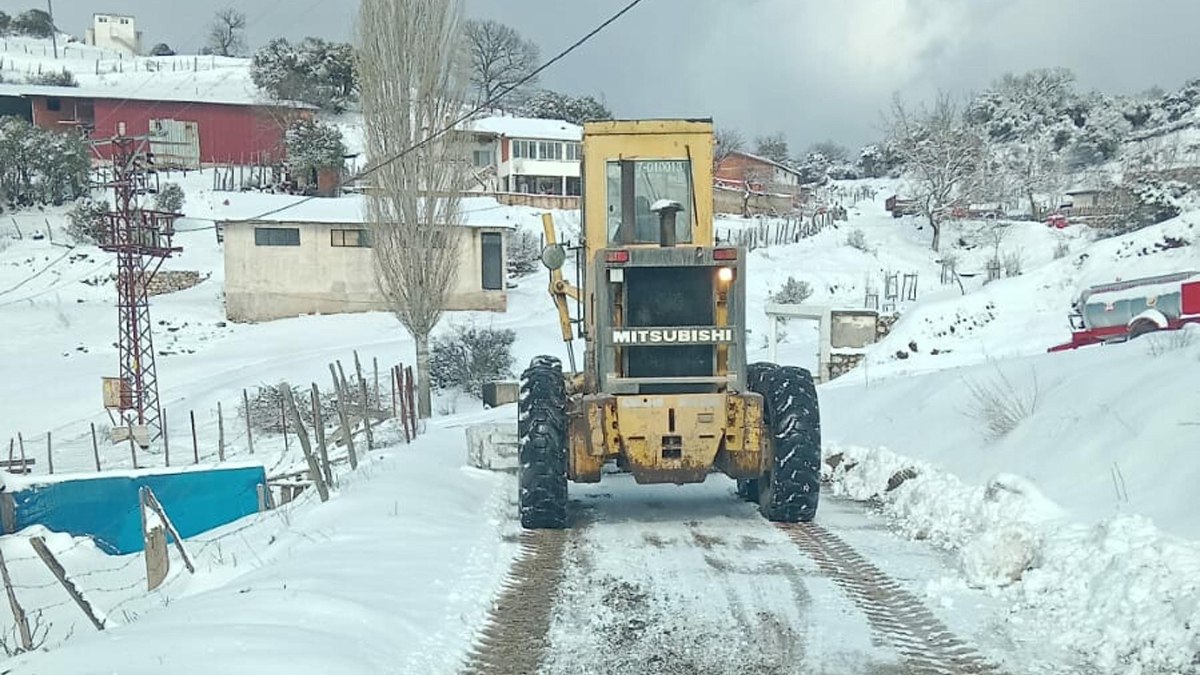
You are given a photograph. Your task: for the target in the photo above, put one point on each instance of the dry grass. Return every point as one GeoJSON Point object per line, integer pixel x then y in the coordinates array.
{"type": "Point", "coordinates": [1165, 342]}
{"type": "Point", "coordinates": [1000, 405]}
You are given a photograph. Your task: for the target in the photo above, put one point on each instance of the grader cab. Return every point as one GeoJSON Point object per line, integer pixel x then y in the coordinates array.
{"type": "Point", "coordinates": [663, 390]}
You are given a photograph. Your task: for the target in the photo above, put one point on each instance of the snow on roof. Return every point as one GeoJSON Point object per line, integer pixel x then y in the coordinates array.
{"type": "Point", "coordinates": [765, 160]}
{"type": "Point", "coordinates": [256, 207]}
{"type": "Point", "coordinates": [175, 90]}
{"type": "Point", "coordinates": [525, 127]}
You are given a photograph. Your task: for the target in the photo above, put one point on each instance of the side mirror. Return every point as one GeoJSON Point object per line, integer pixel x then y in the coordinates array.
{"type": "Point", "coordinates": [554, 256]}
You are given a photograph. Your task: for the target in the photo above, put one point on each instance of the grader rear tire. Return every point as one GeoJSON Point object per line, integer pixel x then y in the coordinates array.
{"type": "Point", "coordinates": [790, 491]}
{"type": "Point", "coordinates": [542, 430]}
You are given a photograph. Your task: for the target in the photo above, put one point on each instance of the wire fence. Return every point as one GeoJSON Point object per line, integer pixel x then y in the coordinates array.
{"type": "Point", "coordinates": [305, 452]}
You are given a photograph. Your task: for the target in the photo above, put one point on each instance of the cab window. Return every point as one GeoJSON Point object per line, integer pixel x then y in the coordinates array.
{"type": "Point", "coordinates": [652, 181]}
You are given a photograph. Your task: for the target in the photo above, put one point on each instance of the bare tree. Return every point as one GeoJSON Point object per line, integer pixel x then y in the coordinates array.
{"type": "Point", "coordinates": [726, 141]}
{"type": "Point", "coordinates": [226, 33]}
{"type": "Point", "coordinates": [500, 57]}
{"type": "Point", "coordinates": [413, 82]}
{"type": "Point", "coordinates": [943, 157]}
{"type": "Point", "coordinates": [1032, 168]}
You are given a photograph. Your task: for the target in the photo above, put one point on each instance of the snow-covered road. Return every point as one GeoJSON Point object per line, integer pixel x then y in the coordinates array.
{"type": "Point", "coordinates": [662, 579]}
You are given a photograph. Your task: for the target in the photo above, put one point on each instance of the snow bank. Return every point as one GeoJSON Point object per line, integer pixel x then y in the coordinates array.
{"type": "Point", "coordinates": [1121, 594]}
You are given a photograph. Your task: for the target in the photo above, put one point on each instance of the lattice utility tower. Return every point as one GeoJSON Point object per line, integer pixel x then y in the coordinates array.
{"type": "Point", "coordinates": [141, 238]}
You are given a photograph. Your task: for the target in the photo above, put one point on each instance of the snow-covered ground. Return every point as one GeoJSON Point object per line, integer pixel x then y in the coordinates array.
{"type": "Point", "coordinates": [1087, 499]}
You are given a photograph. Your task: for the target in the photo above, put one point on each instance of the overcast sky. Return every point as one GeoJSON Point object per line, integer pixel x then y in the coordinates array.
{"type": "Point", "coordinates": [814, 69]}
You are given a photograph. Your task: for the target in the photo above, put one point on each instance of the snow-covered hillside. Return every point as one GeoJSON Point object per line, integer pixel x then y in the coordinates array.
{"type": "Point", "coordinates": [1100, 462]}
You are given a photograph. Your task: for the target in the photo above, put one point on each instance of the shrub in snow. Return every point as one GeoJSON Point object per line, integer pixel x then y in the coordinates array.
{"type": "Point", "coordinates": [170, 198]}
{"type": "Point", "coordinates": [65, 78]}
{"type": "Point", "coordinates": [793, 292]}
{"type": "Point", "coordinates": [162, 49]}
{"type": "Point", "coordinates": [313, 145]}
{"type": "Point", "coordinates": [858, 239]}
{"type": "Point", "coordinates": [1061, 250]}
{"type": "Point", "coordinates": [1014, 262]}
{"type": "Point", "coordinates": [39, 166]}
{"type": "Point", "coordinates": [1157, 201]}
{"type": "Point", "coordinates": [469, 356]}
{"type": "Point", "coordinates": [33, 23]}
{"type": "Point", "coordinates": [1000, 405]}
{"type": "Point", "coordinates": [266, 405]}
{"type": "Point", "coordinates": [524, 253]}
{"type": "Point", "coordinates": [87, 220]}
{"type": "Point", "coordinates": [1165, 342]}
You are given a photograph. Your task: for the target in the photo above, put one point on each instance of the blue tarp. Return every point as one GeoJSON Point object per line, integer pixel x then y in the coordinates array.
{"type": "Point", "coordinates": [106, 507]}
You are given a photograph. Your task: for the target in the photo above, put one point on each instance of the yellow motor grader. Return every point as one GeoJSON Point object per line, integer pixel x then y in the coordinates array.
{"type": "Point", "coordinates": [663, 391]}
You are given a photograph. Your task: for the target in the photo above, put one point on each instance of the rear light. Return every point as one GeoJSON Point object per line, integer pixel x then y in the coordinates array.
{"type": "Point", "coordinates": [725, 254]}
{"type": "Point", "coordinates": [616, 256]}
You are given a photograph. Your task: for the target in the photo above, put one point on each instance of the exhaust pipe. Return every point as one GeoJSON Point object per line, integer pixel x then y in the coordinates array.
{"type": "Point", "coordinates": [667, 211]}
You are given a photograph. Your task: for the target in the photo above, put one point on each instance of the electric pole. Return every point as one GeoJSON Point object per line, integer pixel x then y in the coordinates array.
{"type": "Point", "coordinates": [53, 27]}
{"type": "Point", "coordinates": [141, 238]}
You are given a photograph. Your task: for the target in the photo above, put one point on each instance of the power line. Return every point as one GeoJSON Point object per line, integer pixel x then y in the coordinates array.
{"type": "Point", "coordinates": [476, 110]}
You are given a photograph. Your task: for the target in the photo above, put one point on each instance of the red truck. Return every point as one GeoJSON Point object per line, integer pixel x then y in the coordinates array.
{"type": "Point", "coordinates": [1124, 310]}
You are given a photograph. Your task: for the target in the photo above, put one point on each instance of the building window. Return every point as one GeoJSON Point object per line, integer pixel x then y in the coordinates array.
{"type": "Point", "coordinates": [550, 150]}
{"type": "Point", "coordinates": [482, 158]}
{"type": "Point", "coordinates": [493, 261]}
{"type": "Point", "coordinates": [124, 22]}
{"type": "Point", "coordinates": [524, 150]}
{"type": "Point", "coordinates": [574, 186]}
{"type": "Point", "coordinates": [574, 152]}
{"type": "Point", "coordinates": [53, 104]}
{"type": "Point", "coordinates": [102, 19]}
{"type": "Point", "coordinates": [350, 239]}
{"type": "Point", "coordinates": [276, 236]}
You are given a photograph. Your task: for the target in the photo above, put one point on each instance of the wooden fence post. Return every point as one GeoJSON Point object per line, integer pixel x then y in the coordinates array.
{"type": "Point", "coordinates": [49, 454]}
{"type": "Point", "coordinates": [375, 367]}
{"type": "Point", "coordinates": [319, 428]}
{"type": "Point", "coordinates": [411, 393]}
{"type": "Point", "coordinates": [132, 445]}
{"type": "Point", "coordinates": [21, 445]}
{"type": "Point", "coordinates": [195, 443]}
{"type": "Point", "coordinates": [366, 407]}
{"type": "Point", "coordinates": [398, 374]}
{"type": "Point", "coordinates": [246, 407]}
{"type": "Point", "coordinates": [392, 377]}
{"type": "Point", "coordinates": [220, 434]}
{"type": "Point", "coordinates": [95, 447]}
{"type": "Point", "coordinates": [314, 468]}
{"type": "Point", "coordinates": [347, 432]}
{"type": "Point", "coordinates": [283, 421]}
{"type": "Point", "coordinates": [166, 440]}
{"type": "Point", "coordinates": [153, 503]}
{"type": "Point", "coordinates": [18, 613]}
{"type": "Point", "coordinates": [59, 573]}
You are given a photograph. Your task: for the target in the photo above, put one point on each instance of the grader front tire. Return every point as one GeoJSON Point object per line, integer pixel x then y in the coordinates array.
{"type": "Point", "coordinates": [790, 491]}
{"type": "Point", "coordinates": [542, 430]}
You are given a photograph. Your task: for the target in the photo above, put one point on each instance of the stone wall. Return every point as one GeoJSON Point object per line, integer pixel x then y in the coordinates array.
{"type": "Point", "coordinates": [842, 363]}
{"type": "Point", "coordinates": [172, 281]}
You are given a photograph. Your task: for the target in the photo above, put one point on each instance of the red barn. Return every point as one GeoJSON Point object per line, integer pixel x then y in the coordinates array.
{"type": "Point", "coordinates": [183, 132]}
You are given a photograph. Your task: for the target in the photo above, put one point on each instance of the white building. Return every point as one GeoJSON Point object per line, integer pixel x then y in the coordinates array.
{"type": "Point", "coordinates": [526, 156]}
{"type": "Point", "coordinates": [314, 257]}
{"type": "Point", "coordinates": [115, 32]}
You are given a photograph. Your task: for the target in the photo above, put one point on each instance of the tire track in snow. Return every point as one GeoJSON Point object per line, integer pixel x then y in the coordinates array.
{"type": "Point", "coordinates": [514, 639]}
{"type": "Point", "coordinates": [899, 617]}
{"type": "Point", "coordinates": [669, 581]}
